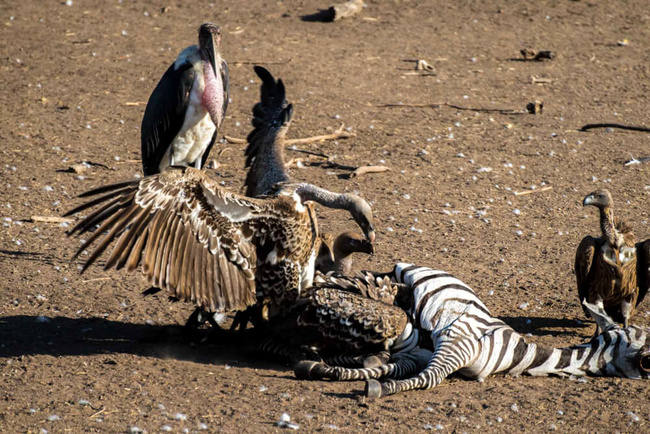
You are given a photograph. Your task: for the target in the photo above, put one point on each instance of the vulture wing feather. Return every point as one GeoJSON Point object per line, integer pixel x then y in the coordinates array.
{"type": "Point", "coordinates": [175, 225]}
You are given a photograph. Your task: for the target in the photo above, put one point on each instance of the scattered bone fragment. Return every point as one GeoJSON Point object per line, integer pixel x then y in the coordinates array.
{"type": "Point", "coordinates": [423, 65]}
{"type": "Point", "coordinates": [537, 56]}
{"type": "Point", "coordinates": [535, 107]}
{"type": "Point", "coordinates": [346, 10]}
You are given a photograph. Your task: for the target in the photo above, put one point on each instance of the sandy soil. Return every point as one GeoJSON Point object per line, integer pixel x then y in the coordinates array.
{"type": "Point", "coordinates": [89, 353]}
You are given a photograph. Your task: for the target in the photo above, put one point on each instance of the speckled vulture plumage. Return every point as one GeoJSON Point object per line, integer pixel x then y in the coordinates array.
{"type": "Point", "coordinates": [354, 313]}
{"type": "Point", "coordinates": [612, 270]}
{"type": "Point", "coordinates": [196, 239]}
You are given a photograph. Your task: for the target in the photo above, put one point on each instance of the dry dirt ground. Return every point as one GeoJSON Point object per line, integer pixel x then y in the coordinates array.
{"type": "Point", "coordinates": [89, 353]}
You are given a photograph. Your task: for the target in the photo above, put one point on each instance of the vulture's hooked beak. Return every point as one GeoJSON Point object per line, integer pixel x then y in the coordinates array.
{"type": "Point", "coordinates": [589, 200]}
{"type": "Point", "coordinates": [367, 246]}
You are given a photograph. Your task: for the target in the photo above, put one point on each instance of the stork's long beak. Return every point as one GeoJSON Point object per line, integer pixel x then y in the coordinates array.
{"type": "Point", "coordinates": [212, 49]}
{"type": "Point", "coordinates": [208, 39]}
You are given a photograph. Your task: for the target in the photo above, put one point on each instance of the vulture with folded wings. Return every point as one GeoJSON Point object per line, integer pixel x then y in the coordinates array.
{"type": "Point", "coordinates": [612, 270]}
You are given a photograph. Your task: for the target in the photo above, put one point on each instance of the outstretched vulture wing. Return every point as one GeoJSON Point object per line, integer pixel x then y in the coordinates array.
{"type": "Point", "coordinates": [185, 231]}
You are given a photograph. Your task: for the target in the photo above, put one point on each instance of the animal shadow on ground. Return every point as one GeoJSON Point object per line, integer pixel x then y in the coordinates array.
{"type": "Point", "coordinates": [62, 336]}
{"type": "Point", "coordinates": [322, 16]}
{"type": "Point", "coordinates": [6, 255]}
{"type": "Point", "coordinates": [541, 326]}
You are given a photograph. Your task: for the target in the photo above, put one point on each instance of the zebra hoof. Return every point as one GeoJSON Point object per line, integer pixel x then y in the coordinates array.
{"type": "Point", "coordinates": [372, 362]}
{"type": "Point", "coordinates": [303, 369]}
{"type": "Point", "coordinates": [373, 389]}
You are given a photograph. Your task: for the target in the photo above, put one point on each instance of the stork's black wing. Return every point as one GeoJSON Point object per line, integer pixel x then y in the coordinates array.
{"type": "Point", "coordinates": [643, 269]}
{"type": "Point", "coordinates": [165, 114]}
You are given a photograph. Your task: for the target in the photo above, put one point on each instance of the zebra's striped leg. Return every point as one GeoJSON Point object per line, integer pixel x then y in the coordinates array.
{"type": "Point", "coordinates": [365, 361]}
{"type": "Point", "coordinates": [449, 356]}
{"type": "Point", "coordinates": [308, 370]}
{"type": "Point", "coordinates": [403, 366]}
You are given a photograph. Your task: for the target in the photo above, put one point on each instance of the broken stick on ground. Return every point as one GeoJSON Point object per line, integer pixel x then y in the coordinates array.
{"type": "Point", "coordinates": [340, 133]}
{"type": "Point", "coordinates": [619, 126]}
{"type": "Point", "coordinates": [537, 190]}
{"type": "Point", "coordinates": [446, 104]}
{"type": "Point", "coordinates": [637, 160]}
{"type": "Point", "coordinates": [50, 219]}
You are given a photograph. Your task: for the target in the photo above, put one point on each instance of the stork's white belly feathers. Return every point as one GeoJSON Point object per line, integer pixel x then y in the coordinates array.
{"type": "Point", "coordinates": [195, 134]}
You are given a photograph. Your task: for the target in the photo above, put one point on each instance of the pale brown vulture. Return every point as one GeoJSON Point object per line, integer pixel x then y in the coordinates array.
{"type": "Point", "coordinates": [612, 270]}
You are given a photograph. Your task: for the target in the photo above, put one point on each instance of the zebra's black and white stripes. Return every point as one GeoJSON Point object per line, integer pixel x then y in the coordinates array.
{"type": "Point", "coordinates": [466, 338]}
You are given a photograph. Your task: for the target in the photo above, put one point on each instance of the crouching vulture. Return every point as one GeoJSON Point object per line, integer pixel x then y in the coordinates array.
{"type": "Point", "coordinates": [612, 270]}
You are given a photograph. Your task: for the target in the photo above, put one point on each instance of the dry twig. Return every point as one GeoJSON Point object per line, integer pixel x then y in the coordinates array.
{"type": "Point", "coordinates": [97, 413]}
{"type": "Point", "coordinates": [50, 219]}
{"type": "Point", "coordinates": [537, 190]}
{"type": "Point", "coordinates": [255, 62]}
{"type": "Point", "coordinates": [637, 160]}
{"type": "Point", "coordinates": [362, 170]}
{"type": "Point", "coordinates": [446, 104]}
{"type": "Point", "coordinates": [619, 126]}
{"type": "Point", "coordinates": [340, 133]}
{"type": "Point", "coordinates": [97, 279]}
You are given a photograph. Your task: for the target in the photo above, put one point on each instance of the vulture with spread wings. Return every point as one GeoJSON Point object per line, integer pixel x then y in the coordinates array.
{"type": "Point", "coordinates": [612, 270]}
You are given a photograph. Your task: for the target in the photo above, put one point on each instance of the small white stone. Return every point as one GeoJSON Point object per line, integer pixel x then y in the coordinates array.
{"type": "Point", "coordinates": [515, 408]}
{"type": "Point", "coordinates": [166, 428]}
{"type": "Point", "coordinates": [516, 211]}
{"type": "Point", "coordinates": [48, 188]}
{"type": "Point", "coordinates": [53, 418]}
{"type": "Point", "coordinates": [523, 305]}
{"type": "Point", "coordinates": [180, 416]}
{"type": "Point", "coordinates": [633, 416]}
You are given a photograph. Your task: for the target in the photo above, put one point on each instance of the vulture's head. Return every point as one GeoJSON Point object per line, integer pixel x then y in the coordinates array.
{"type": "Point", "coordinates": [600, 199]}
{"type": "Point", "coordinates": [351, 242]}
{"type": "Point", "coordinates": [362, 214]}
